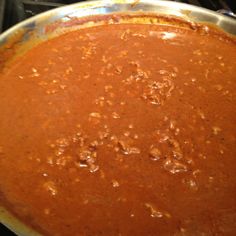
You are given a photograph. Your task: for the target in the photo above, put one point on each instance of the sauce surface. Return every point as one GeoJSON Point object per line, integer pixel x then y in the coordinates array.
{"type": "Point", "coordinates": [123, 129]}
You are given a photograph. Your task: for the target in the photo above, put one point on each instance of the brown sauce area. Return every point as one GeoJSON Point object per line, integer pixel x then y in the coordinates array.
{"type": "Point", "coordinates": [123, 129]}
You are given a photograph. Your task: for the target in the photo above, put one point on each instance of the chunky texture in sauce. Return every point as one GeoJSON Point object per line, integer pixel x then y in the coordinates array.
{"type": "Point", "coordinates": [123, 130]}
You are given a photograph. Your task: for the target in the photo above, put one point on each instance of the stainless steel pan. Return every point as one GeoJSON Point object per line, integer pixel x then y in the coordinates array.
{"type": "Point", "coordinates": [36, 27]}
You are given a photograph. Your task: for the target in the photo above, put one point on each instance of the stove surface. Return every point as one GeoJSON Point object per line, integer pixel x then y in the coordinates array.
{"type": "Point", "coordinates": [14, 11]}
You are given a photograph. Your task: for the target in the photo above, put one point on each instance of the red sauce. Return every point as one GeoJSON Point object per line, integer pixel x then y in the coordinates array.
{"type": "Point", "coordinates": [123, 129]}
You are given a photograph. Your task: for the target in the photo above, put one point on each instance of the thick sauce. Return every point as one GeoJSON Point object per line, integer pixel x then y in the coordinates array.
{"type": "Point", "coordinates": [122, 130]}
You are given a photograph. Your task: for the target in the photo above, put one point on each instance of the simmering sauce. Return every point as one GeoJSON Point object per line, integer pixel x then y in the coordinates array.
{"type": "Point", "coordinates": [122, 129]}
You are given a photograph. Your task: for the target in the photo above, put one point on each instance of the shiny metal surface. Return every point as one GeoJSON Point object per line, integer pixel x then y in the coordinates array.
{"type": "Point", "coordinates": [38, 24]}
{"type": "Point", "coordinates": [227, 13]}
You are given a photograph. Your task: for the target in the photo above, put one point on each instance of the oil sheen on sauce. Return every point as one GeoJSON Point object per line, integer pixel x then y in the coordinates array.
{"type": "Point", "coordinates": [122, 130]}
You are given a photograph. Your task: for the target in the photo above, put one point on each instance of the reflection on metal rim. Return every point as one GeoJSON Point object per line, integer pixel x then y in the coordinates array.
{"type": "Point", "coordinates": [186, 11]}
